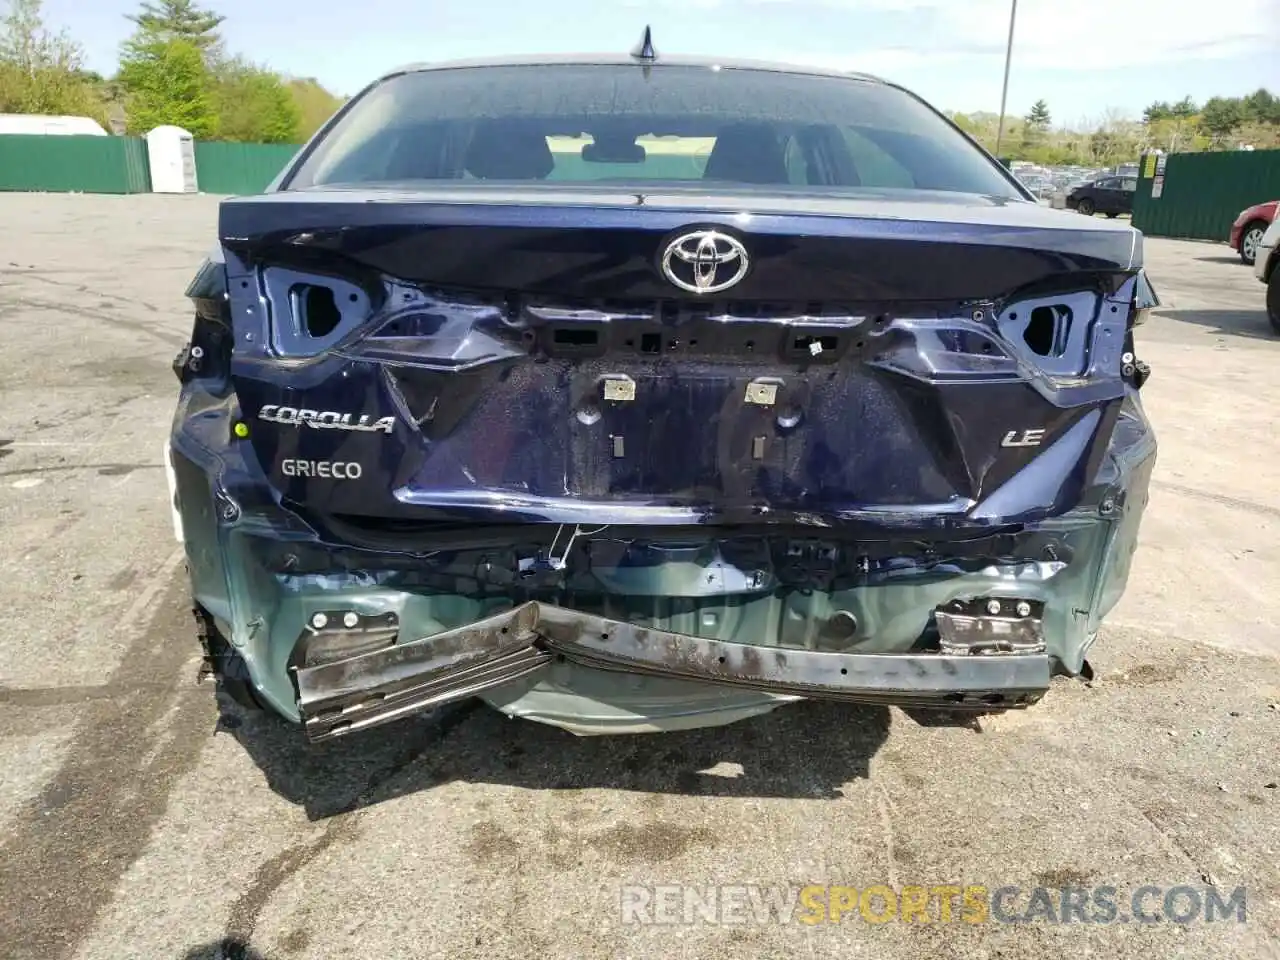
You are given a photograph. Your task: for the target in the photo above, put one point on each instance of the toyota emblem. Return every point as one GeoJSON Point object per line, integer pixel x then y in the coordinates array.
{"type": "Point", "coordinates": [705, 261]}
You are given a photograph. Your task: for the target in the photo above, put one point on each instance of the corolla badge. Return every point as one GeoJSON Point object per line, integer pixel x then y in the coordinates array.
{"type": "Point", "coordinates": [325, 419]}
{"type": "Point", "coordinates": [705, 261]}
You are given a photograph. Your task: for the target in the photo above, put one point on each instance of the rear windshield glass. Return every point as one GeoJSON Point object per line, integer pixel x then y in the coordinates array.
{"type": "Point", "coordinates": [579, 123]}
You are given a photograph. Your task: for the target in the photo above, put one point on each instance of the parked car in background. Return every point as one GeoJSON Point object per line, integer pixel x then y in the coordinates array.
{"type": "Point", "coordinates": [1247, 231]}
{"type": "Point", "coordinates": [1110, 195]}
{"type": "Point", "coordinates": [1266, 267]}
{"type": "Point", "coordinates": [1039, 186]}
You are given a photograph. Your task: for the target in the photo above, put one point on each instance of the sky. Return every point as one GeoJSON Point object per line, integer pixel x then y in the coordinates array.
{"type": "Point", "coordinates": [1082, 57]}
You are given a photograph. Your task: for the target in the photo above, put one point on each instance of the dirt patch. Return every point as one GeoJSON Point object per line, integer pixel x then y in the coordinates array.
{"type": "Point", "coordinates": [1064, 877]}
{"type": "Point", "coordinates": [1145, 674]}
{"type": "Point", "coordinates": [651, 842]}
{"type": "Point", "coordinates": [295, 941]}
{"type": "Point", "coordinates": [122, 579]}
{"type": "Point", "coordinates": [489, 843]}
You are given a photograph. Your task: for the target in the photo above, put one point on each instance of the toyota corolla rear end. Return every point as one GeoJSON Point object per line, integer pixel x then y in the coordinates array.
{"type": "Point", "coordinates": [641, 396]}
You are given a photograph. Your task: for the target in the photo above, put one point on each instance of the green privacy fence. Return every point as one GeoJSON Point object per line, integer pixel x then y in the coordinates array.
{"type": "Point", "coordinates": [1202, 193]}
{"type": "Point", "coordinates": [240, 168]}
{"type": "Point", "coordinates": [38, 162]}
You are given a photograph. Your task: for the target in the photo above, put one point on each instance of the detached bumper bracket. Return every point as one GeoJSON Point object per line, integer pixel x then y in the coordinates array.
{"type": "Point", "coordinates": [376, 687]}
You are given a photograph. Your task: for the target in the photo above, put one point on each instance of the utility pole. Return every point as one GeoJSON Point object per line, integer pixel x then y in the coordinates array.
{"type": "Point", "coordinates": [1004, 92]}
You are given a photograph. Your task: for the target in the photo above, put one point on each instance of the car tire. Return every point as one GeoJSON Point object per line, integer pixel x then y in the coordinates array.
{"type": "Point", "coordinates": [1250, 237]}
{"type": "Point", "coordinates": [1086, 207]}
{"type": "Point", "coordinates": [1273, 298]}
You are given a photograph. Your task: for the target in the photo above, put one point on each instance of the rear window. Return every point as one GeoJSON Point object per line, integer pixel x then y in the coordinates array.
{"type": "Point", "coordinates": [583, 123]}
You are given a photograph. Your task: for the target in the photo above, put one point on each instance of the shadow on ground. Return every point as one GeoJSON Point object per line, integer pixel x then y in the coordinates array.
{"type": "Point", "coordinates": [1224, 258]}
{"type": "Point", "coordinates": [806, 750]}
{"type": "Point", "coordinates": [230, 949]}
{"type": "Point", "coordinates": [1252, 324]}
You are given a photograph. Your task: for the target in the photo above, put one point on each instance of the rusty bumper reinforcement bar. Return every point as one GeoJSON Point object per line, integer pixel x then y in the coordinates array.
{"type": "Point", "coordinates": [373, 688]}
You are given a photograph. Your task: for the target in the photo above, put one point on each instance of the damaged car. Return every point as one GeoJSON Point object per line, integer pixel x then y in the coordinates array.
{"type": "Point", "coordinates": [635, 393]}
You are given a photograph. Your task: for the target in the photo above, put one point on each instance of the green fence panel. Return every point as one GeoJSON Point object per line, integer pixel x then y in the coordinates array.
{"type": "Point", "coordinates": [1202, 193]}
{"type": "Point", "coordinates": [56, 163]}
{"type": "Point", "coordinates": [240, 168]}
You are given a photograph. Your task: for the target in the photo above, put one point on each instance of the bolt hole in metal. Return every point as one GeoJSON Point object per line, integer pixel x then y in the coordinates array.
{"type": "Point", "coordinates": [789, 418]}
{"type": "Point", "coordinates": [841, 627]}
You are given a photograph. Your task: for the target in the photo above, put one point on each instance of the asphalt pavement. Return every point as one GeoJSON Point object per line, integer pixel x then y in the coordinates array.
{"type": "Point", "coordinates": [141, 818]}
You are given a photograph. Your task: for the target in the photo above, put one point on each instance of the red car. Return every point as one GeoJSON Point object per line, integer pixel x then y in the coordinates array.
{"type": "Point", "coordinates": [1249, 228]}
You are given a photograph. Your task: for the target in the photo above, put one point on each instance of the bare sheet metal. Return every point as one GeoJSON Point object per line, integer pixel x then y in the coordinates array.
{"type": "Point", "coordinates": [376, 687]}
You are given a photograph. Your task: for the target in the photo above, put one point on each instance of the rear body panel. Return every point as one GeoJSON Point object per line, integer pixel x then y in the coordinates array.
{"type": "Point", "coordinates": [511, 409]}
{"type": "Point", "coordinates": [883, 389]}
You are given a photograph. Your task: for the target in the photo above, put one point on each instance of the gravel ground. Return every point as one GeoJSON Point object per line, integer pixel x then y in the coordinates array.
{"type": "Point", "coordinates": [139, 820]}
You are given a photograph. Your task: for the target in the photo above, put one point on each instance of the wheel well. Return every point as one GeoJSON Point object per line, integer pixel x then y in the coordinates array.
{"type": "Point", "coordinates": [222, 662]}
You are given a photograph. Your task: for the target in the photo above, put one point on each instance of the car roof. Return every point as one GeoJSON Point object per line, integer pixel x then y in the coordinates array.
{"type": "Point", "coordinates": [614, 59]}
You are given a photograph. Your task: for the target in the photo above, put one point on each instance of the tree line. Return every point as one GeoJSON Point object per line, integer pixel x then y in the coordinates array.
{"type": "Point", "coordinates": [174, 69]}
{"type": "Point", "coordinates": [1220, 123]}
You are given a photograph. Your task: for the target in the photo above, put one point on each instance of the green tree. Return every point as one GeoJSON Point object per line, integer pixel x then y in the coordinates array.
{"type": "Point", "coordinates": [1173, 133]}
{"type": "Point", "coordinates": [254, 105]}
{"type": "Point", "coordinates": [40, 70]}
{"type": "Point", "coordinates": [1221, 116]}
{"type": "Point", "coordinates": [167, 82]}
{"type": "Point", "coordinates": [1036, 125]}
{"type": "Point", "coordinates": [167, 20]}
{"type": "Point", "coordinates": [1262, 107]}
{"type": "Point", "coordinates": [1260, 136]}
{"type": "Point", "coordinates": [315, 105]}
{"type": "Point", "coordinates": [1039, 115]}
{"type": "Point", "coordinates": [1160, 110]}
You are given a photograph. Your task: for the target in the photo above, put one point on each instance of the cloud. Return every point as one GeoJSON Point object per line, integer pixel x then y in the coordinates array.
{"type": "Point", "coordinates": [1084, 35]}
{"type": "Point", "coordinates": [1091, 34]}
